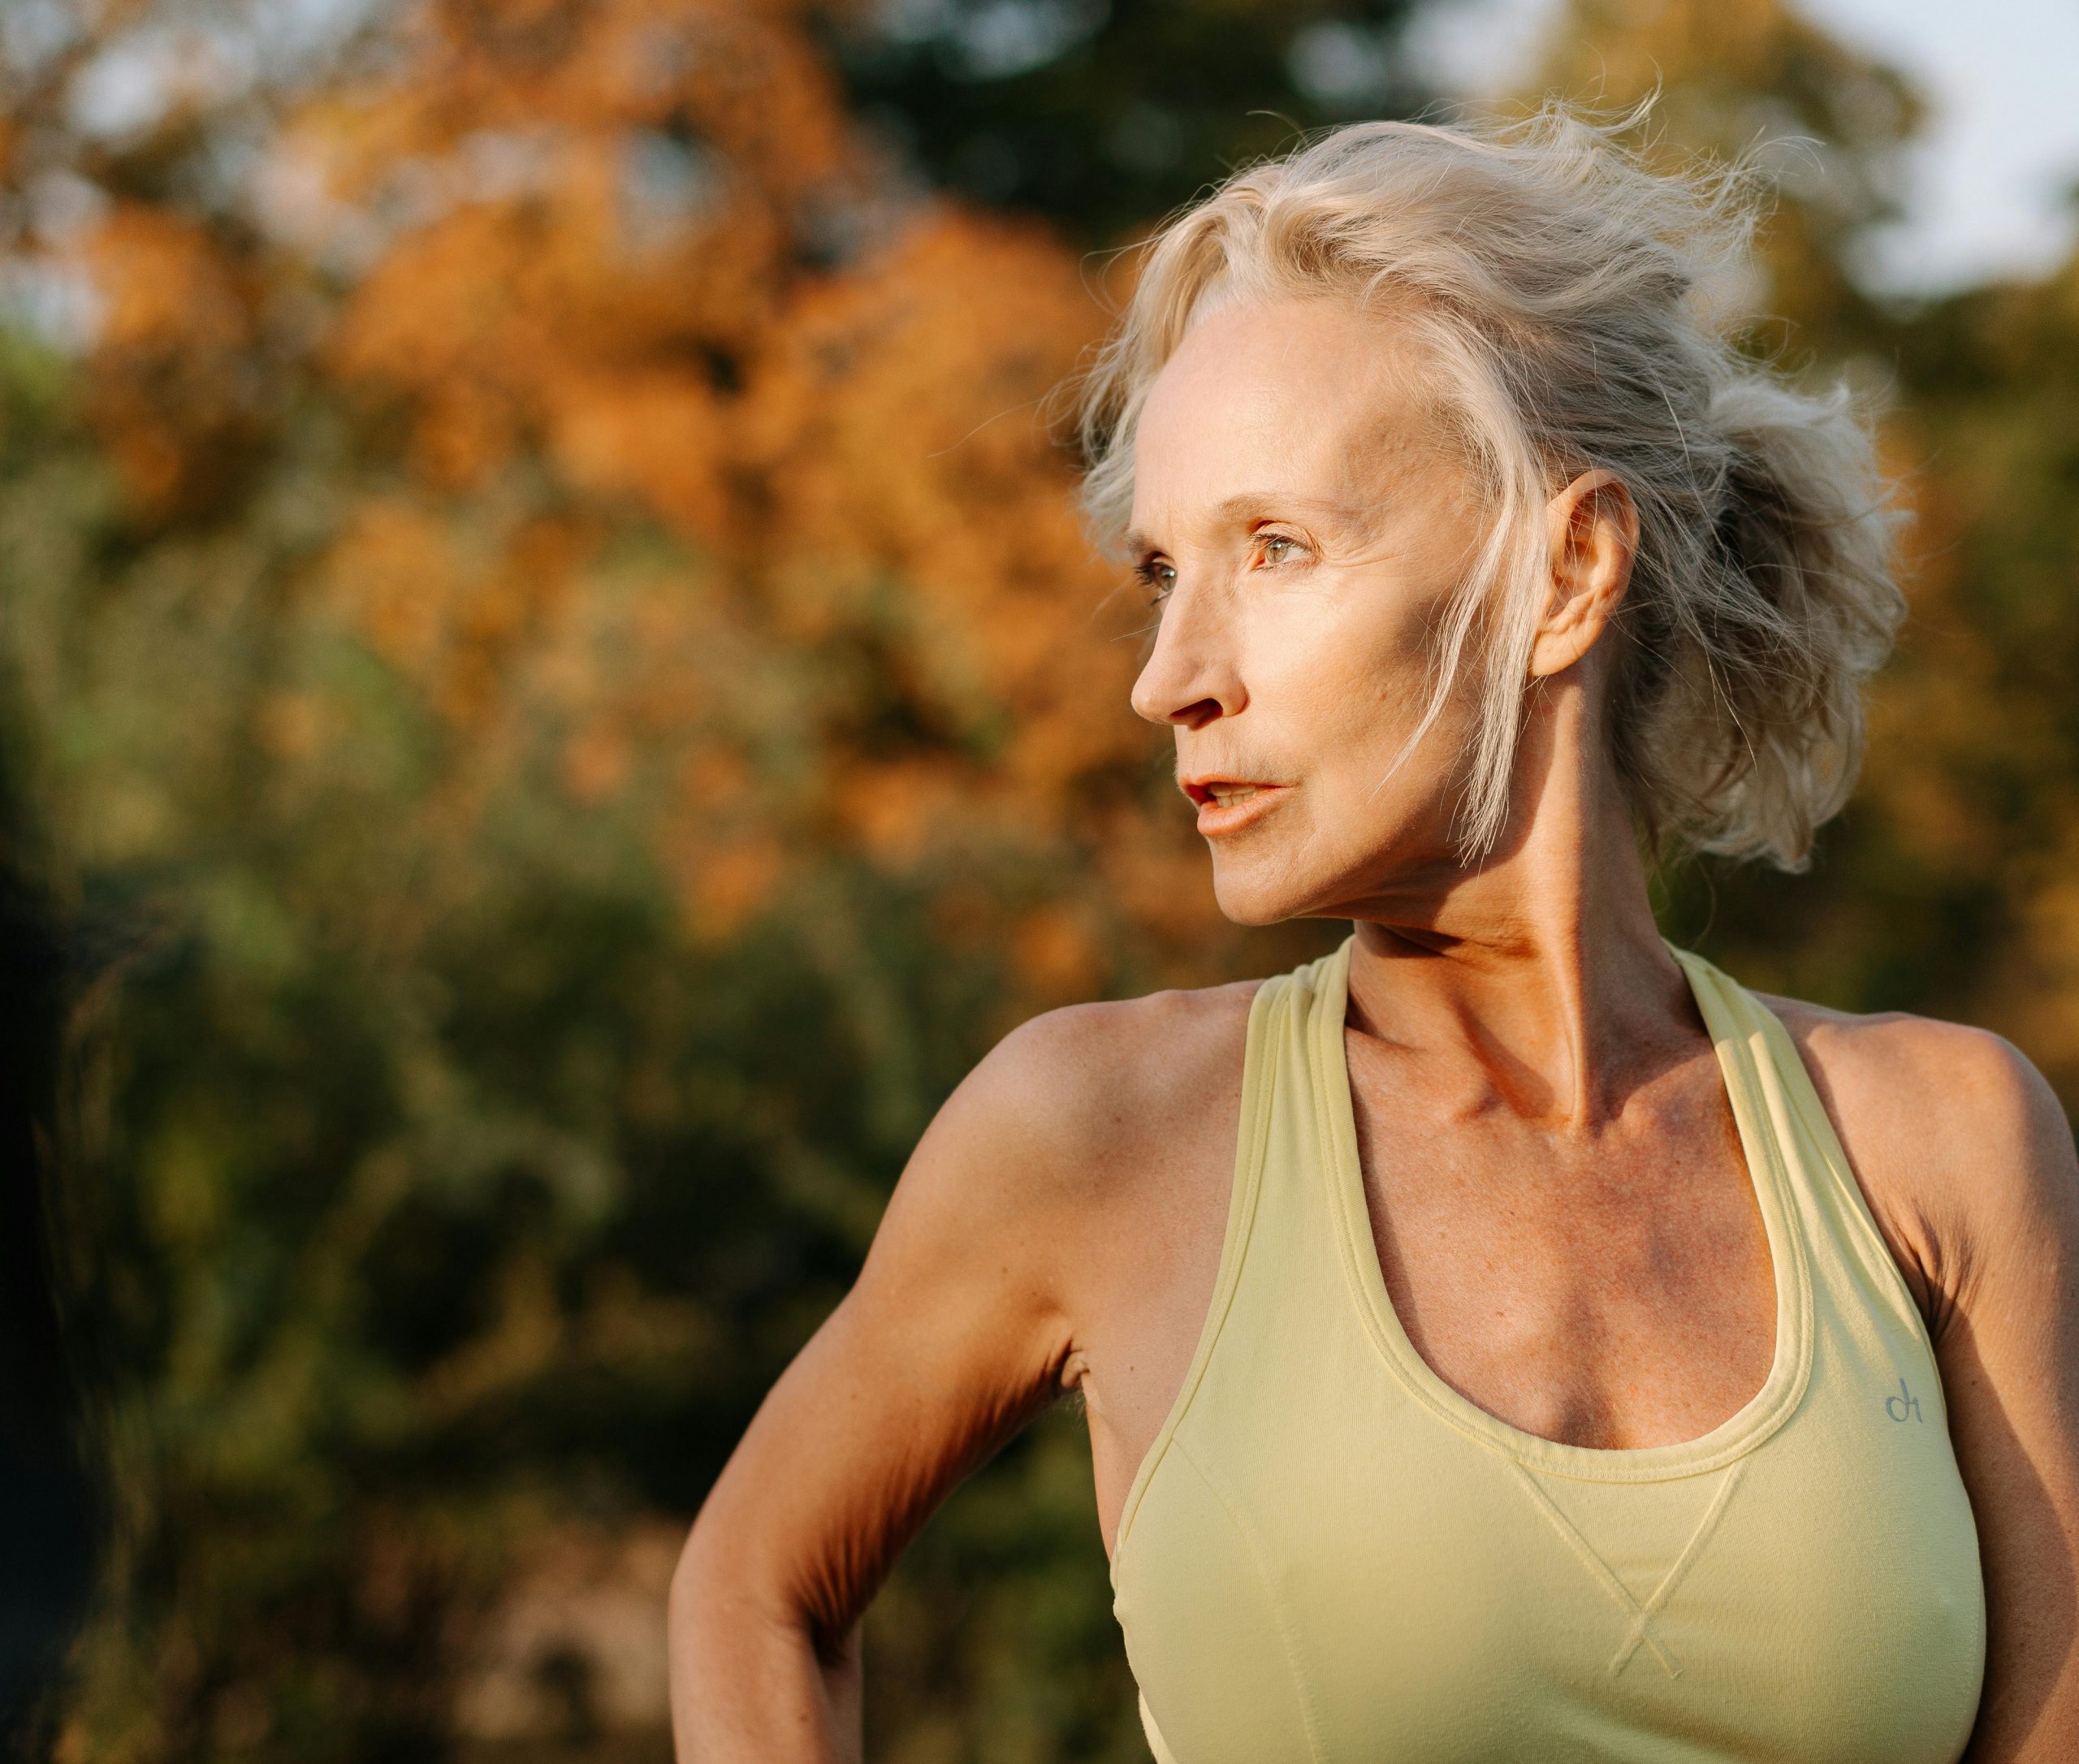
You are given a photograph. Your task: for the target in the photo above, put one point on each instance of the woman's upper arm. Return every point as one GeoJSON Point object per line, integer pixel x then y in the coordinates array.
{"type": "Point", "coordinates": [953, 1337]}
{"type": "Point", "coordinates": [2009, 1349]}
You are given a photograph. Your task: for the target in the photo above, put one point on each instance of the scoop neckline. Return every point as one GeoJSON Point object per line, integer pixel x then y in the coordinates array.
{"type": "Point", "coordinates": [1791, 1364]}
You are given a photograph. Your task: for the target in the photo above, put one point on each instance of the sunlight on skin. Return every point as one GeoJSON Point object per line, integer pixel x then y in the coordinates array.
{"type": "Point", "coordinates": [1291, 653]}
{"type": "Point", "coordinates": [1303, 531]}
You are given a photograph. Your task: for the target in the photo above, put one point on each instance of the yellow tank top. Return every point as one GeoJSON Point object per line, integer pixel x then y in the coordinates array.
{"type": "Point", "coordinates": [1330, 1554]}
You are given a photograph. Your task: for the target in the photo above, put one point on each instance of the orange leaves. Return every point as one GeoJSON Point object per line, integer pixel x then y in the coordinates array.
{"type": "Point", "coordinates": [449, 614]}
{"type": "Point", "coordinates": [163, 285]}
{"type": "Point", "coordinates": [396, 572]}
{"type": "Point", "coordinates": [738, 73]}
{"type": "Point", "coordinates": [657, 435]}
{"type": "Point", "coordinates": [895, 810]}
{"type": "Point", "coordinates": [595, 207]}
{"type": "Point", "coordinates": [900, 411]}
{"type": "Point", "coordinates": [173, 393]}
{"type": "Point", "coordinates": [460, 323]}
{"type": "Point", "coordinates": [535, 322]}
{"type": "Point", "coordinates": [899, 427]}
{"type": "Point", "coordinates": [691, 467]}
{"type": "Point", "coordinates": [862, 454]}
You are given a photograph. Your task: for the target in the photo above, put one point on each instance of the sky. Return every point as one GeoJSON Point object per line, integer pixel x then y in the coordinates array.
{"type": "Point", "coordinates": [1987, 178]}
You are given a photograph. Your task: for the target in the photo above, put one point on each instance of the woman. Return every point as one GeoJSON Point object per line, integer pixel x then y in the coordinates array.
{"type": "Point", "coordinates": [1507, 1337]}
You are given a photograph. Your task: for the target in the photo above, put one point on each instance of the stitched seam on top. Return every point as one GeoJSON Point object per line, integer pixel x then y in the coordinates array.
{"type": "Point", "coordinates": [1802, 1095]}
{"type": "Point", "coordinates": [1248, 1536]}
{"type": "Point", "coordinates": [1748, 1076]}
{"type": "Point", "coordinates": [1705, 1526]}
{"type": "Point", "coordinates": [1775, 1155]}
{"type": "Point", "coordinates": [1776, 1152]}
{"type": "Point", "coordinates": [1586, 1553]}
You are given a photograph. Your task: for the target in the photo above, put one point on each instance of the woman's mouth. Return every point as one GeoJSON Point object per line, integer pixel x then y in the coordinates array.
{"type": "Point", "coordinates": [1228, 805]}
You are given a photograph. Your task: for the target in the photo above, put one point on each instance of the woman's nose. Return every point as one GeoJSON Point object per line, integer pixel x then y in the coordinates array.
{"type": "Point", "coordinates": [1188, 678]}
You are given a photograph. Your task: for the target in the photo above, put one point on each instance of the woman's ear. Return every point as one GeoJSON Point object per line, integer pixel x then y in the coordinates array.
{"type": "Point", "coordinates": [1594, 528]}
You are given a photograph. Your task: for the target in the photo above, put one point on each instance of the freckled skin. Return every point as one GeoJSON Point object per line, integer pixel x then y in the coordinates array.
{"type": "Point", "coordinates": [1558, 1196]}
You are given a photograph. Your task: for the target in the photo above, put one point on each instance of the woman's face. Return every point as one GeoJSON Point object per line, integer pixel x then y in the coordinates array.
{"type": "Point", "coordinates": [1302, 520]}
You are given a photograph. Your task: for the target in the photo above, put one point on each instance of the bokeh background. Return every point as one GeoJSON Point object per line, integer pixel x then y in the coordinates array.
{"type": "Point", "coordinates": [553, 703]}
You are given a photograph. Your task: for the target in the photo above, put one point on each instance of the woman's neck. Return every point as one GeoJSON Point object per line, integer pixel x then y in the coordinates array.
{"type": "Point", "coordinates": [1544, 965]}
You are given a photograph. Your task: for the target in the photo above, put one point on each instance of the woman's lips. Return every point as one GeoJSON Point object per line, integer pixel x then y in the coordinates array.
{"type": "Point", "coordinates": [1227, 806]}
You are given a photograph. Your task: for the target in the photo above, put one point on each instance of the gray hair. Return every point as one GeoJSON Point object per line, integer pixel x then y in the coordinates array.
{"type": "Point", "coordinates": [1573, 302]}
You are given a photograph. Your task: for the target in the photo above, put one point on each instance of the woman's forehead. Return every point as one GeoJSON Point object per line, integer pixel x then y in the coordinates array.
{"type": "Point", "coordinates": [1286, 368]}
{"type": "Point", "coordinates": [1309, 416]}
{"type": "Point", "coordinates": [1314, 342]}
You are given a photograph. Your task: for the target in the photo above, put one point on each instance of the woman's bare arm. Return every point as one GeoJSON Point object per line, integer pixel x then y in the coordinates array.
{"type": "Point", "coordinates": [954, 1336]}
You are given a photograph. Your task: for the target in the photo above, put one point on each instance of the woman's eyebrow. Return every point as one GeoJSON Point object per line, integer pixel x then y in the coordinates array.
{"type": "Point", "coordinates": [1246, 503]}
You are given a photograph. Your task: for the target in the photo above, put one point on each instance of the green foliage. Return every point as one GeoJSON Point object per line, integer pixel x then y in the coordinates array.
{"type": "Point", "coordinates": [444, 1188]}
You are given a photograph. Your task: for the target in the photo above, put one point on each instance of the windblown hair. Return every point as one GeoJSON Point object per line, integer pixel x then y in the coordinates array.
{"type": "Point", "coordinates": [1577, 312]}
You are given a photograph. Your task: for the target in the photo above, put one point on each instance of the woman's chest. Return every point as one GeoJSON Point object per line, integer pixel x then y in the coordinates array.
{"type": "Point", "coordinates": [1330, 1591]}
{"type": "Point", "coordinates": [1613, 1291]}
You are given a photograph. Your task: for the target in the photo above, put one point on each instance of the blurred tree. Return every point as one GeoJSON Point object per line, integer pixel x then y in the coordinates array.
{"type": "Point", "coordinates": [1974, 794]}
{"type": "Point", "coordinates": [47, 1487]}
{"type": "Point", "coordinates": [1734, 77]}
{"type": "Point", "coordinates": [1101, 115]}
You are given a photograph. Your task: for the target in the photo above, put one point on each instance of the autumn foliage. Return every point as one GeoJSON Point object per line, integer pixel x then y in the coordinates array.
{"type": "Point", "coordinates": [545, 630]}
{"type": "Point", "coordinates": [565, 274]}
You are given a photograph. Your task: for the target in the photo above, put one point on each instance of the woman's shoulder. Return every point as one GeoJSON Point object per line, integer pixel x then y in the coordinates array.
{"type": "Point", "coordinates": [1095, 1077]}
{"type": "Point", "coordinates": [1959, 1142]}
{"type": "Point", "coordinates": [1075, 1131]}
{"type": "Point", "coordinates": [1935, 1082]}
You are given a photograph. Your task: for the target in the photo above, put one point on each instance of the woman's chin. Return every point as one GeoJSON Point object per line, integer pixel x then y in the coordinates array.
{"type": "Point", "coordinates": [1250, 894]}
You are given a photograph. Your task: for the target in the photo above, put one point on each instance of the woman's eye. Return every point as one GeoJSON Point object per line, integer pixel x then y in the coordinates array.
{"type": "Point", "coordinates": [1159, 577]}
{"type": "Point", "coordinates": [1278, 546]}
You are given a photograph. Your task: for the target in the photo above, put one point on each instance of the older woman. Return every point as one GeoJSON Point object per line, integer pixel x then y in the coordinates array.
{"type": "Point", "coordinates": [1507, 1337]}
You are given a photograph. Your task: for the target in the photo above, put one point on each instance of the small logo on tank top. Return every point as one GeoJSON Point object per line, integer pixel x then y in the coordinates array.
{"type": "Point", "coordinates": [1903, 1406]}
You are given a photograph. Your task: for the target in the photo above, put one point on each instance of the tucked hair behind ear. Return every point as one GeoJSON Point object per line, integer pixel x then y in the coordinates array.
{"type": "Point", "coordinates": [1575, 306]}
